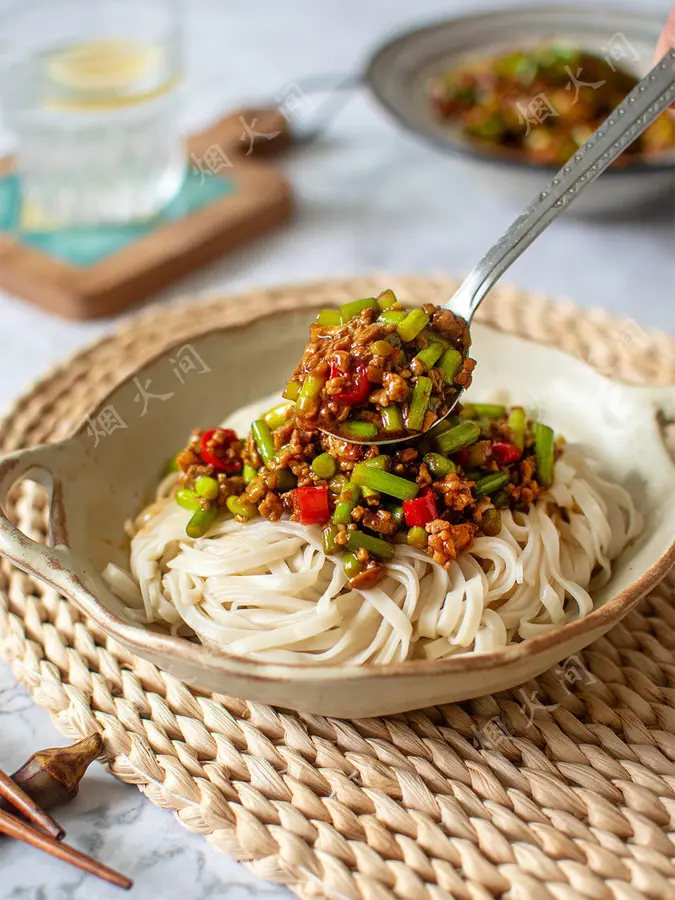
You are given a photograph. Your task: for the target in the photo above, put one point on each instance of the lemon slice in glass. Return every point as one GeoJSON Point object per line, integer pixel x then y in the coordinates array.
{"type": "Point", "coordinates": [115, 67]}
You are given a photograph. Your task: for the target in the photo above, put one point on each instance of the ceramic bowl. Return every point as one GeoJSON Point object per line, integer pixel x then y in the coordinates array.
{"type": "Point", "coordinates": [399, 71]}
{"type": "Point", "coordinates": [97, 480]}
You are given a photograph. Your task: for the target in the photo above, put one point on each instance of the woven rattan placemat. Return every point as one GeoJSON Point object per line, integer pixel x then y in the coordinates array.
{"type": "Point", "coordinates": [563, 788]}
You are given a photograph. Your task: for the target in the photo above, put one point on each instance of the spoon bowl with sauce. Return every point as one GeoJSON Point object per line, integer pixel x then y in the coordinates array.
{"type": "Point", "coordinates": [375, 372]}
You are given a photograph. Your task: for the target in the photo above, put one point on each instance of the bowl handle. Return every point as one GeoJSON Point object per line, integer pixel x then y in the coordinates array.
{"type": "Point", "coordinates": [51, 563]}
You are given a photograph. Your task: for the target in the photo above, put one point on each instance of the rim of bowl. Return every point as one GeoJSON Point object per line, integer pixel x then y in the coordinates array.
{"type": "Point", "coordinates": [449, 142]}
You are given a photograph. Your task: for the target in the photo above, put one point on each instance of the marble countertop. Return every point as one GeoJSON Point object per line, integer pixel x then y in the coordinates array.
{"type": "Point", "coordinates": [368, 199]}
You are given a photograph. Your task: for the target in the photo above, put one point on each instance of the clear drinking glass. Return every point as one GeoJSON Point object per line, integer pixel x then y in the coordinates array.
{"type": "Point", "coordinates": [91, 90]}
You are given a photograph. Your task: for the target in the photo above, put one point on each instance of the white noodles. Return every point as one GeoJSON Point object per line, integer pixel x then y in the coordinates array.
{"type": "Point", "coordinates": [267, 590]}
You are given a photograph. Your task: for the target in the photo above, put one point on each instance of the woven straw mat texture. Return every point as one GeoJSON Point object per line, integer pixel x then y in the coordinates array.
{"type": "Point", "coordinates": [563, 788]}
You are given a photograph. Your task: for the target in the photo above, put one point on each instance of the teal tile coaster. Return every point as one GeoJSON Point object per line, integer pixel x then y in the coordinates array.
{"type": "Point", "coordinates": [86, 247]}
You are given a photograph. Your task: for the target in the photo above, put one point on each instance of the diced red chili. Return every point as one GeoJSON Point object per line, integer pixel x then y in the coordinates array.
{"type": "Point", "coordinates": [420, 510]}
{"type": "Point", "coordinates": [504, 452]}
{"type": "Point", "coordinates": [211, 458]}
{"type": "Point", "coordinates": [360, 386]}
{"type": "Point", "coordinates": [310, 505]}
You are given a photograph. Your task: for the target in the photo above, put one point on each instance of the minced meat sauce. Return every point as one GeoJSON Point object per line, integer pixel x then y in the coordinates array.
{"type": "Point", "coordinates": [437, 492]}
{"type": "Point", "coordinates": [374, 370]}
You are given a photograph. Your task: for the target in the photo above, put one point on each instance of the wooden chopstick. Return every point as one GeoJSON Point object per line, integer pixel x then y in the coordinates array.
{"type": "Point", "coordinates": [22, 831]}
{"type": "Point", "coordinates": [28, 807]}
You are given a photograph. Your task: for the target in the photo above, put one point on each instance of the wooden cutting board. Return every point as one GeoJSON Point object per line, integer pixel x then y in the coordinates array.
{"type": "Point", "coordinates": [230, 196]}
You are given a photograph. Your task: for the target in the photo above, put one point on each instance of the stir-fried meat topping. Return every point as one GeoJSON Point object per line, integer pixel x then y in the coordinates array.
{"type": "Point", "coordinates": [437, 492]}
{"type": "Point", "coordinates": [376, 368]}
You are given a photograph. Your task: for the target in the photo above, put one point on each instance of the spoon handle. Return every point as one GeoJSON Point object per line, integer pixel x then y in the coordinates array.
{"type": "Point", "coordinates": [648, 99]}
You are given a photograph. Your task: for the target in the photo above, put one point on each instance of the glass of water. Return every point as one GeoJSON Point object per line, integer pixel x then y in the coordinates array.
{"type": "Point", "coordinates": [91, 90]}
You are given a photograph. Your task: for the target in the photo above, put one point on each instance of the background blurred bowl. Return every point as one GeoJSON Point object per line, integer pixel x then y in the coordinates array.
{"type": "Point", "coordinates": [399, 71]}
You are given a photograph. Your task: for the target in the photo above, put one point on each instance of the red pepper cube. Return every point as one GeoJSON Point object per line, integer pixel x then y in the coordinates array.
{"type": "Point", "coordinates": [359, 388]}
{"type": "Point", "coordinates": [310, 505]}
{"type": "Point", "coordinates": [421, 510]}
{"type": "Point", "coordinates": [210, 458]}
{"type": "Point", "coordinates": [505, 453]}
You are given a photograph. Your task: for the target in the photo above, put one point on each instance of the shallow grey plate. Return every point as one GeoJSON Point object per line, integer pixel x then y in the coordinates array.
{"type": "Point", "coordinates": [399, 71]}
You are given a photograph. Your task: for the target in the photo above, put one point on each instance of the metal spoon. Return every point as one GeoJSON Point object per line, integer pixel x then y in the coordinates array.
{"type": "Point", "coordinates": [648, 99]}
